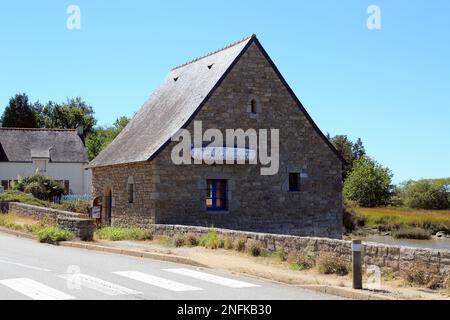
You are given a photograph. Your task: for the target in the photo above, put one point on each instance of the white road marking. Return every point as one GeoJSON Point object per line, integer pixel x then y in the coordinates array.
{"type": "Point", "coordinates": [97, 284]}
{"type": "Point", "coordinates": [24, 265]}
{"type": "Point", "coordinates": [157, 281]}
{"type": "Point", "coordinates": [35, 290]}
{"type": "Point", "coordinates": [212, 278]}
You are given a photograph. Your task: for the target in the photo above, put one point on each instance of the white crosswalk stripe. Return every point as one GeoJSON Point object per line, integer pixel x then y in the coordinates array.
{"type": "Point", "coordinates": [157, 281]}
{"type": "Point", "coordinates": [35, 290]}
{"type": "Point", "coordinates": [97, 284]}
{"type": "Point", "coordinates": [211, 278]}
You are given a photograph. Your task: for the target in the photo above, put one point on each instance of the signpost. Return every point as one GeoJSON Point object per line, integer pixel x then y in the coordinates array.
{"type": "Point", "coordinates": [96, 210]}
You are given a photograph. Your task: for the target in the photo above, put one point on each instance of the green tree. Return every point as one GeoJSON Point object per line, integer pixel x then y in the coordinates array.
{"type": "Point", "coordinates": [102, 136]}
{"type": "Point", "coordinates": [425, 194]}
{"type": "Point", "coordinates": [350, 151]}
{"type": "Point", "coordinates": [19, 113]}
{"type": "Point", "coordinates": [67, 115]}
{"type": "Point", "coordinates": [368, 183]}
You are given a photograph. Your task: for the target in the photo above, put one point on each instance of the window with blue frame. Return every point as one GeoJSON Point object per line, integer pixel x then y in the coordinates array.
{"type": "Point", "coordinates": [216, 191]}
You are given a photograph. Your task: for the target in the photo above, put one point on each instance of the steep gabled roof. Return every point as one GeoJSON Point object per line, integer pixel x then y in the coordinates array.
{"type": "Point", "coordinates": [24, 144]}
{"type": "Point", "coordinates": [173, 105]}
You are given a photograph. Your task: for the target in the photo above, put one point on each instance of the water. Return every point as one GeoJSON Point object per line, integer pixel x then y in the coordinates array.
{"type": "Point", "coordinates": [434, 243]}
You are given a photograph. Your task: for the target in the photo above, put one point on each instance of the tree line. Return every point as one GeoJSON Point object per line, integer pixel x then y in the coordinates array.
{"type": "Point", "coordinates": [21, 113]}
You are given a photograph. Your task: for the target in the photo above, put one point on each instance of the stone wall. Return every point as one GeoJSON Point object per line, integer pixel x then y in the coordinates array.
{"type": "Point", "coordinates": [41, 212]}
{"type": "Point", "coordinates": [82, 228]}
{"type": "Point", "coordinates": [141, 212]}
{"type": "Point", "coordinates": [387, 257]}
{"type": "Point", "coordinates": [79, 223]}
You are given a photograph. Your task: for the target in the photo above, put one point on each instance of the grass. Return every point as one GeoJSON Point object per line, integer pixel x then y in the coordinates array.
{"type": "Point", "coordinates": [391, 218]}
{"type": "Point", "coordinates": [7, 221]}
{"type": "Point", "coordinates": [17, 196]}
{"type": "Point", "coordinates": [53, 234]}
{"type": "Point", "coordinates": [331, 264]}
{"type": "Point", "coordinates": [117, 234]}
{"type": "Point", "coordinates": [212, 240]}
{"type": "Point", "coordinates": [406, 232]}
{"type": "Point", "coordinates": [298, 261]}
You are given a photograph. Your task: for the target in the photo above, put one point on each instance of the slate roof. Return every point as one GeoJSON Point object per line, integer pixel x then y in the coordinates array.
{"type": "Point", "coordinates": [23, 144]}
{"type": "Point", "coordinates": [174, 104]}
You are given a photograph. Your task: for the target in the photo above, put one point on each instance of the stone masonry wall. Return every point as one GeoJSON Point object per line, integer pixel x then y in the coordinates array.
{"type": "Point", "coordinates": [83, 228]}
{"type": "Point", "coordinates": [115, 178]}
{"type": "Point", "coordinates": [256, 202]}
{"type": "Point", "coordinates": [386, 257]}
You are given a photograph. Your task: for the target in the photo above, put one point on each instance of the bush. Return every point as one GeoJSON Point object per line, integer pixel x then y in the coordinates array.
{"type": "Point", "coordinates": [280, 254]}
{"type": "Point", "coordinates": [368, 184]}
{"type": "Point", "coordinates": [407, 232]}
{"type": "Point", "coordinates": [79, 206]}
{"type": "Point", "coordinates": [425, 194]}
{"type": "Point", "coordinates": [179, 240]}
{"type": "Point", "coordinates": [191, 240]}
{"type": "Point", "coordinates": [331, 264]}
{"type": "Point", "coordinates": [240, 244]}
{"type": "Point", "coordinates": [42, 187]}
{"type": "Point", "coordinates": [228, 243]}
{"type": "Point", "coordinates": [211, 240]}
{"type": "Point", "coordinates": [417, 275]}
{"type": "Point", "coordinates": [351, 219]}
{"type": "Point", "coordinates": [299, 261]}
{"type": "Point", "coordinates": [117, 234]}
{"type": "Point", "coordinates": [52, 234]}
{"type": "Point", "coordinates": [254, 248]}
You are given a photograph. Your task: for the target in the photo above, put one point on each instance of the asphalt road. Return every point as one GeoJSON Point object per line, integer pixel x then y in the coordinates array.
{"type": "Point", "coordinates": [30, 270]}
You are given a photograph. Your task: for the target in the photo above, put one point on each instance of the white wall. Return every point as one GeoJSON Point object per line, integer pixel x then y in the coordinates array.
{"type": "Point", "coordinates": [79, 178]}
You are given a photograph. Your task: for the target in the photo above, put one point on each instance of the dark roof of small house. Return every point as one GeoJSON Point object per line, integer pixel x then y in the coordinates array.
{"type": "Point", "coordinates": [24, 144]}
{"type": "Point", "coordinates": [174, 104]}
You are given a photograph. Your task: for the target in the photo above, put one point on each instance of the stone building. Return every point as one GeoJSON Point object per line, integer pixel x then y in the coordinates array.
{"type": "Point", "coordinates": [235, 87]}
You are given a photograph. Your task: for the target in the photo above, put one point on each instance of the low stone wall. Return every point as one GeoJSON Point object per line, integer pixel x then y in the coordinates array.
{"type": "Point", "coordinates": [41, 212]}
{"type": "Point", "coordinates": [78, 223]}
{"type": "Point", "coordinates": [386, 257]}
{"type": "Point", "coordinates": [83, 228]}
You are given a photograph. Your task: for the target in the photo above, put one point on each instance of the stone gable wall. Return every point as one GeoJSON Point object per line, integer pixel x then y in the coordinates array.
{"type": "Point", "coordinates": [256, 202]}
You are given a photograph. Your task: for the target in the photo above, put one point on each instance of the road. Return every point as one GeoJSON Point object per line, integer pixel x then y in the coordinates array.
{"type": "Point", "coordinates": [30, 270]}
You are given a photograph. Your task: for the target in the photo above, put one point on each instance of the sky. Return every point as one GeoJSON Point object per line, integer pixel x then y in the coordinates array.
{"type": "Point", "coordinates": [389, 86]}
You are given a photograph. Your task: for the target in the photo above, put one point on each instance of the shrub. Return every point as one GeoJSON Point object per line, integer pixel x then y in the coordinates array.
{"type": "Point", "coordinates": [117, 234]}
{"type": "Point", "coordinates": [52, 234]}
{"type": "Point", "coordinates": [191, 240]}
{"type": "Point", "coordinates": [300, 261]}
{"type": "Point", "coordinates": [40, 186]}
{"type": "Point", "coordinates": [425, 194]}
{"type": "Point", "coordinates": [240, 244]}
{"type": "Point", "coordinates": [407, 232]}
{"type": "Point", "coordinates": [179, 240]}
{"type": "Point", "coordinates": [331, 264]}
{"type": "Point", "coordinates": [228, 243]}
{"type": "Point", "coordinates": [351, 219]}
{"type": "Point", "coordinates": [79, 205]}
{"type": "Point", "coordinates": [211, 240]}
{"type": "Point", "coordinates": [254, 248]}
{"type": "Point", "coordinates": [280, 254]}
{"type": "Point", "coordinates": [417, 275]}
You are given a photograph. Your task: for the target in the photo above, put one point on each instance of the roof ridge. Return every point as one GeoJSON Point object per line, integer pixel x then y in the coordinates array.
{"type": "Point", "coordinates": [214, 52]}
{"type": "Point", "coordinates": [36, 129]}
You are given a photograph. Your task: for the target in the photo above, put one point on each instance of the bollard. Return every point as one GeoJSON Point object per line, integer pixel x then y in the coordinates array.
{"type": "Point", "coordinates": [357, 266]}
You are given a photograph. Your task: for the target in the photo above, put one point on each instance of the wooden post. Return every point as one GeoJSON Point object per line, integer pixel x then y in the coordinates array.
{"type": "Point", "coordinates": [357, 265]}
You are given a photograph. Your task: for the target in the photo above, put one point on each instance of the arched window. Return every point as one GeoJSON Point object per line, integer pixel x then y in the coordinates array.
{"type": "Point", "coordinates": [253, 106]}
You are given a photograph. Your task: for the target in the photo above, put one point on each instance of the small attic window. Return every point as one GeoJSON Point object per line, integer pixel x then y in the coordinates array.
{"type": "Point", "coordinates": [253, 106]}
{"type": "Point", "coordinates": [210, 66]}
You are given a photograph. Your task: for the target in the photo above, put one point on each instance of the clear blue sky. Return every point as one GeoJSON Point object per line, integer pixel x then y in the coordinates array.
{"type": "Point", "coordinates": [391, 87]}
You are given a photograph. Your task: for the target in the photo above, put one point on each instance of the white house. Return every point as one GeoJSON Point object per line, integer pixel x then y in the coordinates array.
{"type": "Point", "coordinates": [57, 153]}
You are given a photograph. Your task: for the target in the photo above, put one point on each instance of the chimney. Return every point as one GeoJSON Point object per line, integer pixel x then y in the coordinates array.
{"type": "Point", "coordinates": [80, 131]}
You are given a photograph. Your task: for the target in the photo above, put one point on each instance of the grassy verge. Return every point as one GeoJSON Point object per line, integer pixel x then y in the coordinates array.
{"type": "Point", "coordinates": [17, 196]}
{"type": "Point", "coordinates": [44, 230]}
{"type": "Point", "coordinates": [117, 234]}
{"type": "Point", "coordinates": [391, 218]}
